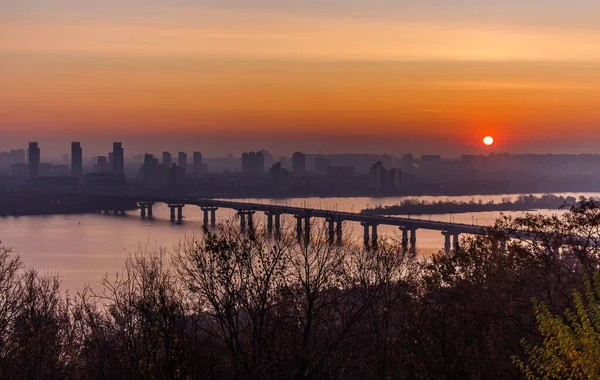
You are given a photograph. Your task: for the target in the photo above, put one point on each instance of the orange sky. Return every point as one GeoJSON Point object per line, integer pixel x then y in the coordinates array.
{"type": "Point", "coordinates": [181, 70]}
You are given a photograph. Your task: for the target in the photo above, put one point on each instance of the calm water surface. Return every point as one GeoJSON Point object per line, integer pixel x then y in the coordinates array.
{"type": "Point", "coordinates": [84, 248]}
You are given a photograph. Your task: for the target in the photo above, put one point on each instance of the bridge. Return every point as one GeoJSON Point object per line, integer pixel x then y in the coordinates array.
{"type": "Point", "coordinates": [304, 218]}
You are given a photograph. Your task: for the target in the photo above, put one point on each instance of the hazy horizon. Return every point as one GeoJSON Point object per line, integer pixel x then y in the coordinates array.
{"type": "Point", "coordinates": [214, 147]}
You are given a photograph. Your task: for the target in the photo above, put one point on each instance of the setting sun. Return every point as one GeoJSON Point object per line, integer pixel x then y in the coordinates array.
{"type": "Point", "coordinates": [488, 140]}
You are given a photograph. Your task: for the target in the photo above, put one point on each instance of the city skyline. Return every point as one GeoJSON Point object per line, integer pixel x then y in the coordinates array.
{"type": "Point", "coordinates": [329, 75]}
{"type": "Point", "coordinates": [59, 153]}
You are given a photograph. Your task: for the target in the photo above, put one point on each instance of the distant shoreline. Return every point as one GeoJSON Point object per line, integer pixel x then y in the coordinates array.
{"type": "Point", "coordinates": [401, 195]}
{"type": "Point", "coordinates": [414, 206]}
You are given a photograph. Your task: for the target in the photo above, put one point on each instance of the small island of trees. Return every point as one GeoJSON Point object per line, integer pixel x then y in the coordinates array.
{"type": "Point", "coordinates": [413, 206]}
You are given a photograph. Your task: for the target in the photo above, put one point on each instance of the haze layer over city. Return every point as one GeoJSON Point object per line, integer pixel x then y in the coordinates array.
{"type": "Point", "coordinates": [318, 189]}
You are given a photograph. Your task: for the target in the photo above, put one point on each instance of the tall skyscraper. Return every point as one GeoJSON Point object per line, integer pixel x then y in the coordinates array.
{"type": "Point", "coordinates": [118, 158]}
{"type": "Point", "coordinates": [299, 164]}
{"type": "Point", "coordinates": [182, 161]}
{"type": "Point", "coordinates": [34, 159]}
{"type": "Point", "coordinates": [199, 166]}
{"type": "Point", "coordinates": [167, 160]}
{"type": "Point", "coordinates": [76, 159]}
{"type": "Point", "coordinates": [197, 158]}
{"type": "Point", "coordinates": [151, 178]}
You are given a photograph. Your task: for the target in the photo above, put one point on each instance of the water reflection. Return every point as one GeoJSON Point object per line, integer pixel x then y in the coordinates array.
{"type": "Point", "coordinates": [82, 248]}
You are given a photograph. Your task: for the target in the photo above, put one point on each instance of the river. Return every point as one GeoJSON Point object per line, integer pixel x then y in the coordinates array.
{"type": "Point", "coordinates": [84, 248]}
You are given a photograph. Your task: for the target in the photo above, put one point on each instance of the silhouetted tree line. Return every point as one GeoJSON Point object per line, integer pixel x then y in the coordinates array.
{"type": "Point", "coordinates": [415, 206]}
{"type": "Point", "coordinates": [226, 306]}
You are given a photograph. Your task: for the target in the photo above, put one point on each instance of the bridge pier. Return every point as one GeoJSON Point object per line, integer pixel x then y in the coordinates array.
{"type": "Point", "coordinates": [179, 208]}
{"type": "Point", "coordinates": [413, 240]}
{"type": "Point", "coordinates": [205, 219]}
{"type": "Point", "coordinates": [372, 239]}
{"type": "Point", "coordinates": [306, 229]}
{"type": "Point", "coordinates": [455, 241]}
{"type": "Point", "coordinates": [331, 231]}
{"type": "Point", "coordinates": [251, 225]}
{"type": "Point", "coordinates": [365, 233]}
{"type": "Point", "coordinates": [213, 218]}
{"type": "Point", "coordinates": [273, 216]}
{"type": "Point", "coordinates": [246, 216]}
{"type": "Point", "coordinates": [447, 245]}
{"type": "Point", "coordinates": [269, 223]}
{"type": "Point", "coordinates": [369, 240]}
{"type": "Point", "coordinates": [404, 237]}
{"type": "Point", "coordinates": [179, 213]}
{"type": "Point", "coordinates": [302, 234]}
{"type": "Point", "coordinates": [374, 236]}
{"type": "Point", "coordinates": [145, 209]}
{"type": "Point", "coordinates": [339, 232]}
{"type": "Point", "coordinates": [503, 245]}
{"type": "Point", "coordinates": [242, 222]}
{"type": "Point", "coordinates": [299, 228]}
{"type": "Point", "coordinates": [277, 226]}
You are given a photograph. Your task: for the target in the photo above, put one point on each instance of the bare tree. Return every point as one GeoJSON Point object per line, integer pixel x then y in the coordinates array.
{"type": "Point", "coordinates": [286, 307]}
{"type": "Point", "coordinates": [139, 325]}
{"type": "Point", "coordinates": [238, 279]}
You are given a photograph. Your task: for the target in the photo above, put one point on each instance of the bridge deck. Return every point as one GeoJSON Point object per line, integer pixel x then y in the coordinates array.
{"type": "Point", "coordinates": [319, 213]}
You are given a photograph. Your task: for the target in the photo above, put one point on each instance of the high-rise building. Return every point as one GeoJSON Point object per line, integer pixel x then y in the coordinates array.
{"type": "Point", "coordinates": [182, 161]}
{"type": "Point", "coordinates": [253, 163]}
{"type": "Point", "coordinates": [278, 174]}
{"type": "Point", "coordinates": [246, 164]}
{"type": "Point", "coordinates": [299, 163]}
{"type": "Point", "coordinates": [199, 167]}
{"type": "Point", "coordinates": [76, 159]}
{"type": "Point", "coordinates": [102, 165]}
{"type": "Point", "coordinates": [118, 158]}
{"type": "Point", "coordinates": [174, 177]}
{"type": "Point", "coordinates": [197, 158]}
{"type": "Point", "coordinates": [167, 160]}
{"type": "Point", "coordinates": [16, 160]}
{"type": "Point", "coordinates": [19, 156]}
{"type": "Point", "coordinates": [34, 159]}
{"type": "Point", "coordinates": [384, 179]}
{"type": "Point", "coordinates": [269, 159]}
{"type": "Point", "coordinates": [376, 175]}
{"type": "Point", "coordinates": [408, 162]}
{"type": "Point", "coordinates": [151, 178]}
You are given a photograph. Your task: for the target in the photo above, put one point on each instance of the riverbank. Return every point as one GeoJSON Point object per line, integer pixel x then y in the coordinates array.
{"type": "Point", "coordinates": [472, 188]}
{"type": "Point", "coordinates": [23, 204]}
